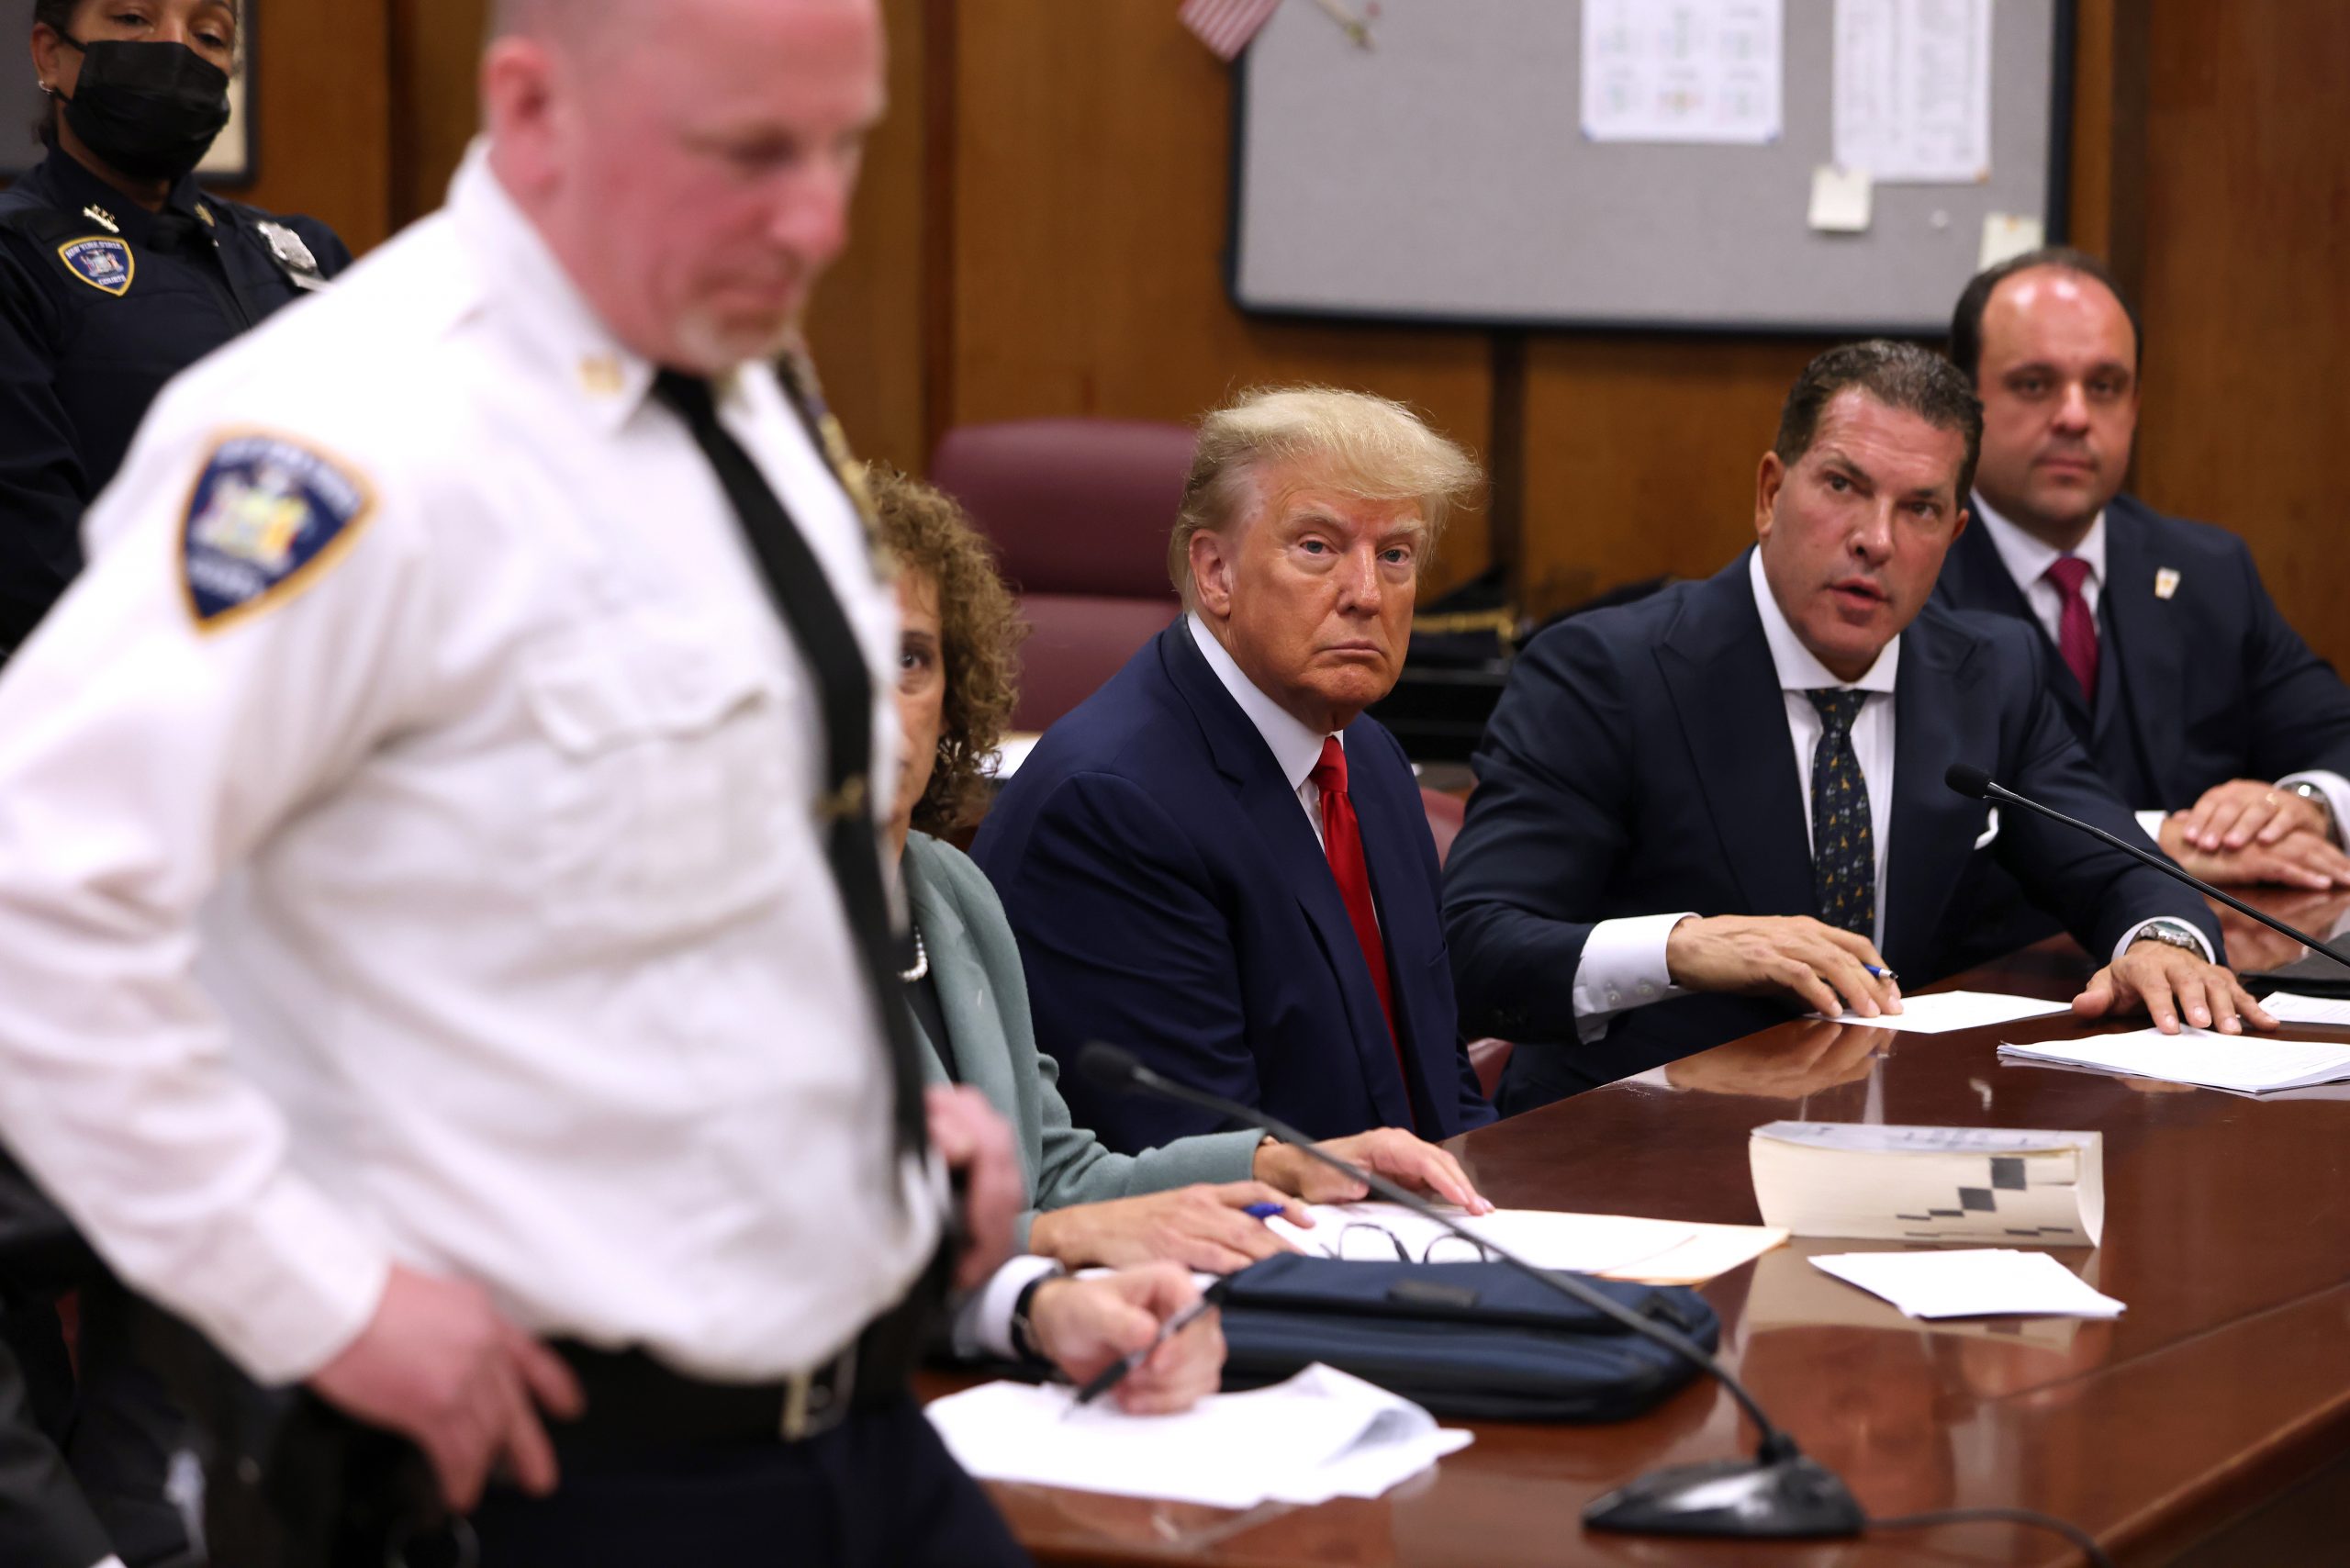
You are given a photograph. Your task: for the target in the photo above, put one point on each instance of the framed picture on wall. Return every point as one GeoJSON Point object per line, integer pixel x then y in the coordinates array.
{"type": "Point", "coordinates": [233, 162]}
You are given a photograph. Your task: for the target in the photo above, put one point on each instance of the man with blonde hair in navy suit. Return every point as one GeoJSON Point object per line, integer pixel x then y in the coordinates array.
{"type": "Point", "coordinates": [1216, 860]}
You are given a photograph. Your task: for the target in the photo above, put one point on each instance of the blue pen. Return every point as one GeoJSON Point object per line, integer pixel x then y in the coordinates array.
{"type": "Point", "coordinates": [1261, 1211]}
{"type": "Point", "coordinates": [1880, 974]}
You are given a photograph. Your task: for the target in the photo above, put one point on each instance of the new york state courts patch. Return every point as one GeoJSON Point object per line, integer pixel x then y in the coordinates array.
{"type": "Point", "coordinates": [267, 515]}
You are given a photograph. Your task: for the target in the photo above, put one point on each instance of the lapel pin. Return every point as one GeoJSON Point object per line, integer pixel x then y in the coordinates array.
{"type": "Point", "coordinates": [102, 217]}
{"type": "Point", "coordinates": [2166, 583]}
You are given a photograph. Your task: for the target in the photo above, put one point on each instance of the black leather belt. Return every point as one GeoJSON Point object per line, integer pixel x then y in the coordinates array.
{"type": "Point", "coordinates": [633, 1401]}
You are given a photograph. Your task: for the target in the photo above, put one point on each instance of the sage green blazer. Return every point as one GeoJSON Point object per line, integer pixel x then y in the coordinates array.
{"type": "Point", "coordinates": [983, 996]}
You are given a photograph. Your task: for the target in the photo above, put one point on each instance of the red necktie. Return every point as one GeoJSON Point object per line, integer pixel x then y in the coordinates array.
{"type": "Point", "coordinates": [2077, 628]}
{"type": "Point", "coordinates": [1342, 842]}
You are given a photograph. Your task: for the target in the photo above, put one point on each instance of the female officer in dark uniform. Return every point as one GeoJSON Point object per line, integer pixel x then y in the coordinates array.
{"type": "Point", "coordinates": [116, 272]}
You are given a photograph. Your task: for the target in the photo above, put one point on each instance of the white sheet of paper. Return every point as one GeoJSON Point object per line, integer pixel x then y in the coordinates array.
{"type": "Point", "coordinates": [1591, 1244]}
{"type": "Point", "coordinates": [1947, 1009]}
{"type": "Point", "coordinates": [2246, 1064]}
{"type": "Point", "coordinates": [1839, 200]}
{"type": "Point", "coordinates": [2006, 234]}
{"type": "Point", "coordinates": [1912, 90]}
{"type": "Point", "coordinates": [1970, 1283]}
{"type": "Point", "coordinates": [1703, 70]}
{"type": "Point", "coordinates": [2291, 1007]}
{"type": "Point", "coordinates": [1320, 1435]}
{"type": "Point", "coordinates": [1009, 753]}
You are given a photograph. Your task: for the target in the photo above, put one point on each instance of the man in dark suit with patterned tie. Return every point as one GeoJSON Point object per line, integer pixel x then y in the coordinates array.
{"type": "Point", "coordinates": [1701, 811]}
{"type": "Point", "coordinates": [2200, 706]}
{"type": "Point", "coordinates": [1215, 860]}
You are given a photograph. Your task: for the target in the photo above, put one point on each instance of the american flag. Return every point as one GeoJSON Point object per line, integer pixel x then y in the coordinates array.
{"type": "Point", "coordinates": [1225, 26]}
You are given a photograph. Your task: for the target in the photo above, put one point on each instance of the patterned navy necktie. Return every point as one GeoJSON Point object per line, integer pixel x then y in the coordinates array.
{"type": "Point", "coordinates": [1843, 847]}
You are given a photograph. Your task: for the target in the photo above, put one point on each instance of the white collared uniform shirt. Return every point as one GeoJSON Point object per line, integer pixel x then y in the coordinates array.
{"type": "Point", "coordinates": [1623, 963]}
{"type": "Point", "coordinates": [467, 905]}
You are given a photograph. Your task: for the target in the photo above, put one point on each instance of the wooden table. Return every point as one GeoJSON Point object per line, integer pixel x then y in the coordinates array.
{"type": "Point", "coordinates": [2210, 1425]}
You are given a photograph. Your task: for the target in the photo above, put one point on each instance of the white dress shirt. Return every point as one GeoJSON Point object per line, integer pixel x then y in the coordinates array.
{"type": "Point", "coordinates": [1296, 746]}
{"type": "Point", "coordinates": [466, 908]}
{"type": "Point", "coordinates": [2028, 560]}
{"type": "Point", "coordinates": [1623, 964]}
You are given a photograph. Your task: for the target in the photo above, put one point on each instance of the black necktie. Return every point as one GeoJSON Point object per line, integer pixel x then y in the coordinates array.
{"type": "Point", "coordinates": [804, 598]}
{"type": "Point", "coordinates": [1843, 849]}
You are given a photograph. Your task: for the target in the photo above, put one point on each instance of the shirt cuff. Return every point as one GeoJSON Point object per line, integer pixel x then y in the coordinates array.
{"type": "Point", "coordinates": [983, 1323]}
{"type": "Point", "coordinates": [2332, 786]}
{"type": "Point", "coordinates": [1622, 968]}
{"type": "Point", "coordinates": [2140, 930]}
{"type": "Point", "coordinates": [2151, 824]}
{"type": "Point", "coordinates": [288, 1286]}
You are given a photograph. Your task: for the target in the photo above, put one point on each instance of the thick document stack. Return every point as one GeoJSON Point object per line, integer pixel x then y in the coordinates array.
{"type": "Point", "coordinates": [2240, 1064]}
{"type": "Point", "coordinates": [1930, 1184]}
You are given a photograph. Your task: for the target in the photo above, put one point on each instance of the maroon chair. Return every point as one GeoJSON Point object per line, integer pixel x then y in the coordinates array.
{"type": "Point", "coordinates": [1079, 510]}
{"type": "Point", "coordinates": [1446, 813]}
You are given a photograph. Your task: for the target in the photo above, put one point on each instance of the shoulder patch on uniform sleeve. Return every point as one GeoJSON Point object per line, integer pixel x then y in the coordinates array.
{"type": "Point", "coordinates": [105, 265]}
{"type": "Point", "coordinates": [267, 515]}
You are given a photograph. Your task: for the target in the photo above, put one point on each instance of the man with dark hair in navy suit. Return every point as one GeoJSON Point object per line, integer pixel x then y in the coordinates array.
{"type": "Point", "coordinates": [2199, 703]}
{"type": "Point", "coordinates": [1216, 861]}
{"type": "Point", "coordinates": [1697, 813]}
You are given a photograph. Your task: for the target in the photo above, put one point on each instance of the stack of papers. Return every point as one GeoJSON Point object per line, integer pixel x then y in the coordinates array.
{"type": "Point", "coordinates": [2288, 1007]}
{"type": "Point", "coordinates": [1652, 1252]}
{"type": "Point", "coordinates": [1321, 1434]}
{"type": "Point", "coordinates": [1908, 1183]}
{"type": "Point", "coordinates": [1947, 1009]}
{"type": "Point", "coordinates": [1974, 1282]}
{"type": "Point", "coordinates": [2242, 1064]}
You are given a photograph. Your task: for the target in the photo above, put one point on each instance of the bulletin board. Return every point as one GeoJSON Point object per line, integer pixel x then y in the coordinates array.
{"type": "Point", "coordinates": [1445, 176]}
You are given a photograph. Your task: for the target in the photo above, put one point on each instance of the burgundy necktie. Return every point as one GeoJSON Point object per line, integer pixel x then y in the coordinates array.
{"type": "Point", "coordinates": [1342, 842]}
{"type": "Point", "coordinates": [2077, 628]}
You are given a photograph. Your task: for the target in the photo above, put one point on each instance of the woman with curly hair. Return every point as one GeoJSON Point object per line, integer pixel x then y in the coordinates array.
{"type": "Point", "coordinates": [1186, 1201]}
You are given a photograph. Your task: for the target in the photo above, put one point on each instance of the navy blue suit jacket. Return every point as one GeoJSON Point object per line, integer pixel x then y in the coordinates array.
{"type": "Point", "coordinates": [2207, 685]}
{"type": "Point", "coordinates": [1640, 763]}
{"type": "Point", "coordinates": [1169, 896]}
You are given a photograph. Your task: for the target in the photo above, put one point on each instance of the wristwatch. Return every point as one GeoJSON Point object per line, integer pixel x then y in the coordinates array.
{"type": "Point", "coordinates": [2177, 933]}
{"type": "Point", "coordinates": [2316, 797]}
{"type": "Point", "coordinates": [1024, 1332]}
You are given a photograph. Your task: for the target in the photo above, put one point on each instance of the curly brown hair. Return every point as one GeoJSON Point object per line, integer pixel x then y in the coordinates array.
{"type": "Point", "coordinates": [926, 533]}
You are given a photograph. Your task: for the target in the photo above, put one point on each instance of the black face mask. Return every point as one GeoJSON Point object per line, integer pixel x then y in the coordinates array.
{"type": "Point", "coordinates": [148, 109]}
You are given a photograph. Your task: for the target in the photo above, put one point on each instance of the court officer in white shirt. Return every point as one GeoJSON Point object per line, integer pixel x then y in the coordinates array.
{"type": "Point", "coordinates": [442, 947]}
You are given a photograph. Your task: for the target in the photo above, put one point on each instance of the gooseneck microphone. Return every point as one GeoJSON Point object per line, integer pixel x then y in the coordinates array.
{"type": "Point", "coordinates": [1975, 784]}
{"type": "Point", "coordinates": [1779, 1493]}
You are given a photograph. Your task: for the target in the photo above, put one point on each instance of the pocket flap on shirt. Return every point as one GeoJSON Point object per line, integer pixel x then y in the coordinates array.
{"type": "Point", "coordinates": [634, 681]}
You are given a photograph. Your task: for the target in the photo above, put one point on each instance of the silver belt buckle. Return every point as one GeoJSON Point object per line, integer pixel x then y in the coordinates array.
{"type": "Point", "coordinates": [811, 1407]}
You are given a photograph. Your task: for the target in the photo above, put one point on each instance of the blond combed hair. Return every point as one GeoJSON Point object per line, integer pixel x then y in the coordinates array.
{"type": "Point", "coordinates": [1366, 445]}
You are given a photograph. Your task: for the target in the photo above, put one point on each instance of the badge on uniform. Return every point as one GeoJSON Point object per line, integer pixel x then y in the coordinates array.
{"type": "Point", "coordinates": [105, 265]}
{"type": "Point", "coordinates": [292, 256]}
{"type": "Point", "coordinates": [266, 515]}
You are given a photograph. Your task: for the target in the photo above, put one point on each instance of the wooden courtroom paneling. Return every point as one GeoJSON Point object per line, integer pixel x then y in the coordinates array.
{"type": "Point", "coordinates": [435, 67]}
{"type": "Point", "coordinates": [1640, 453]}
{"type": "Point", "coordinates": [2247, 251]}
{"type": "Point", "coordinates": [322, 81]}
{"type": "Point", "coordinates": [872, 318]}
{"type": "Point", "coordinates": [1091, 147]}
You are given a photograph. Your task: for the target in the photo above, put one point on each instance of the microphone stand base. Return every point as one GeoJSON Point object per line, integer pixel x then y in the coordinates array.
{"type": "Point", "coordinates": [1757, 1498]}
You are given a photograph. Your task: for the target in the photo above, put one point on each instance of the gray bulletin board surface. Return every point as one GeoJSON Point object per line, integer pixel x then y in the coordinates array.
{"type": "Point", "coordinates": [1443, 176]}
